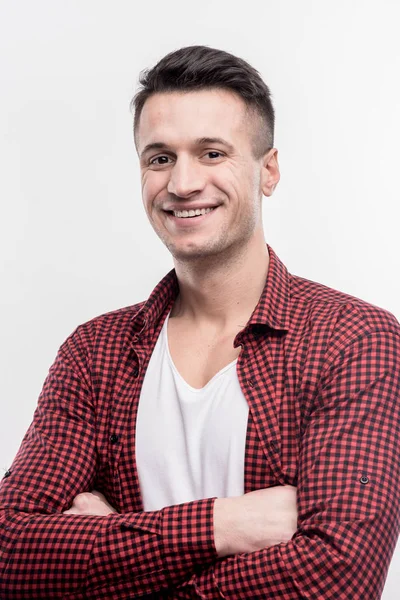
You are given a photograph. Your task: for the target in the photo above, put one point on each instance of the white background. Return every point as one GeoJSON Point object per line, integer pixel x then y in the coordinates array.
{"type": "Point", "coordinates": [74, 240]}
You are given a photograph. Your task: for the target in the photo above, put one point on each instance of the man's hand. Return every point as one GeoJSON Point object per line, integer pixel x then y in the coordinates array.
{"type": "Point", "coordinates": [254, 521]}
{"type": "Point", "coordinates": [90, 503]}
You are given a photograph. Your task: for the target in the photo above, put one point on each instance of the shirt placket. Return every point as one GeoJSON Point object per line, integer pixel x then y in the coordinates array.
{"type": "Point", "coordinates": [263, 443]}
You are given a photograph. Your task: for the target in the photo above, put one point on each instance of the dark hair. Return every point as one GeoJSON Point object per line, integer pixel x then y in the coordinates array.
{"type": "Point", "coordinates": [199, 67]}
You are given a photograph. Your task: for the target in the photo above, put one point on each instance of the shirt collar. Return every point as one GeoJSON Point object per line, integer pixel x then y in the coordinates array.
{"type": "Point", "coordinates": [272, 310]}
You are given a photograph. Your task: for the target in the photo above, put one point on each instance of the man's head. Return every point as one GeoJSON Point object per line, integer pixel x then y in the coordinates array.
{"type": "Point", "coordinates": [204, 135]}
{"type": "Point", "coordinates": [199, 68]}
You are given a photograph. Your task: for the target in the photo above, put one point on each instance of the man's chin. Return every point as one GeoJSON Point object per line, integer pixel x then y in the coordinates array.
{"type": "Point", "coordinates": [193, 253]}
{"type": "Point", "coordinates": [190, 255]}
{"type": "Point", "coordinates": [220, 251]}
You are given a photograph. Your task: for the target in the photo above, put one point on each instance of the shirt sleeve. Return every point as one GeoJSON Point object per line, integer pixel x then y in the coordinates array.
{"type": "Point", "coordinates": [348, 491]}
{"type": "Point", "coordinates": [46, 554]}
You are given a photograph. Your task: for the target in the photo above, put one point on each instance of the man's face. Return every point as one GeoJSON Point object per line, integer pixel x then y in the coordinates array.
{"type": "Point", "coordinates": [201, 185]}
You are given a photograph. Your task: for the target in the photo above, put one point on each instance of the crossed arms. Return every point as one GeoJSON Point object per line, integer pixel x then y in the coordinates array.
{"type": "Point", "coordinates": [348, 516]}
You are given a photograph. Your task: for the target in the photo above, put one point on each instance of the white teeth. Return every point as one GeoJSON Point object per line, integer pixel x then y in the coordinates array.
{"type": "Point", "coordinates": [184, 214]}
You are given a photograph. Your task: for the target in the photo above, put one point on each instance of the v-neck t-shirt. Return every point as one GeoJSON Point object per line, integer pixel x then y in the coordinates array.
{"type": "Point", "coordinates": [190, 443]}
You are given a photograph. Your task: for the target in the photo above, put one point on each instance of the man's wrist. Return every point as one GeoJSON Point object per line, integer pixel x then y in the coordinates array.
{"type": "Point", "coordinates": [225, 527]}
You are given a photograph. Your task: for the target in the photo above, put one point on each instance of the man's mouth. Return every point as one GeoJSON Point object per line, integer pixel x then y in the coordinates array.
{"type": "Point", "coordinates": [187, 214]}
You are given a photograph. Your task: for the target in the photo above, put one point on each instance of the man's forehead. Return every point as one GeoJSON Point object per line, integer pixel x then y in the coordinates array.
{"type": "Point", "coordinates": [197, 114]}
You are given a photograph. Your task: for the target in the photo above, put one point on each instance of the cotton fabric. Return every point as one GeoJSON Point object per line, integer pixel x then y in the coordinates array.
{"type": "Point", "coordinates": [190, 443]}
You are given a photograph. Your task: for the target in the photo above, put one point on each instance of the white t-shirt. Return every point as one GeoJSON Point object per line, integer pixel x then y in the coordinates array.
{"type": "Point", "coordinates": [190, 443]}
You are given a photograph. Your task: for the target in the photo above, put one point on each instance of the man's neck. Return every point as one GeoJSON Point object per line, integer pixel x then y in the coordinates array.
{"type": "Point", "coordinates": [222, 291]}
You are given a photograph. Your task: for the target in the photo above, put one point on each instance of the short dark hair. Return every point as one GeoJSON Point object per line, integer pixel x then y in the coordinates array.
{"type": "Point", "coordinates": [200, 67]}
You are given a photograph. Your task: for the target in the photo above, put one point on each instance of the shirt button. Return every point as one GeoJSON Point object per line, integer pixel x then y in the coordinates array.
{"type": "Point", "coordinates": [7, 473]}
{"type": "Point", "coordinates": [250, 382]}
{"type": "Point", "coordinates": [114, 438]}
{"type": "Point", "coordinates": [364, 480]}
{"type": "Point", "coordinates": [135, 372]}
{"type": "Point", "coordinates": [273, 445]}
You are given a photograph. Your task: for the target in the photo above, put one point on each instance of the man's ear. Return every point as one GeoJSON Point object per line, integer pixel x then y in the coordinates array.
{"type": "Point", "coordinates": [270, 172]}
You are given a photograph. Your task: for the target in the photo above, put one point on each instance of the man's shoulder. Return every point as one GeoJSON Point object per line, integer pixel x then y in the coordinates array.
{"type": "Point", "coordinates": [115, 318]}
{"type": "Point", "coordinates": [324, 304]}
{"type": "Point", "coordinates": [113, 327]}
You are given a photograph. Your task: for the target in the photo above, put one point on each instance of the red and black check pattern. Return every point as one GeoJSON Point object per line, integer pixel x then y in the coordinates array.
{"type": "Point", "coordinates": [321, 373]}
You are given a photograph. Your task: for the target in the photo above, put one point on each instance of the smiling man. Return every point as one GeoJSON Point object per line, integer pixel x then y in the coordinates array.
{"type": "Point", "coordinates": [234, 436]}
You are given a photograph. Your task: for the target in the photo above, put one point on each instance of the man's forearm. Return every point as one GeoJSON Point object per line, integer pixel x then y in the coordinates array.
{"type": "Point", "coordinates": [256, 520]}
{"type": "Point", "coordinates": [141, 553]}
{"type": "Point", "coordinates": [46, 556]}
{"type": "Point", "coordinates": [247, 523]}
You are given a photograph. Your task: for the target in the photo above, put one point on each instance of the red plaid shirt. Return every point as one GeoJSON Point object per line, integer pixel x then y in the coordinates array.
{"type": "Point", "coordinates": [321, 373]}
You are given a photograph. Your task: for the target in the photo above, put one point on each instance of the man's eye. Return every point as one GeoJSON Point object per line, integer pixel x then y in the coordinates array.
{"type": "Point", "coordinates": [160, 160]}
{"type": "Point", "coordinates": [214, 154]}
{"type": "Point", "coordinates": [164, 160]}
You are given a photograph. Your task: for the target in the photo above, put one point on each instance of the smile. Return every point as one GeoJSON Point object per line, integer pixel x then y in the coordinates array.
{"type": "Point", "coordinates": [185, 214]}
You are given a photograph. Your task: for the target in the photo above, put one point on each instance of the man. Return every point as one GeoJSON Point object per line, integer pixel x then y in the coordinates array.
{"type": "Point", "coordinates": [234, 436]}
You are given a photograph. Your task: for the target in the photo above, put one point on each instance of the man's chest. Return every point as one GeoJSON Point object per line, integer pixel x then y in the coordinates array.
{"type": "Point", "coordinates": [199, 355]}
{"type": "Point", "coordinates": [272, 433]}
{"type": "Point", "coordinates": [190, 442]}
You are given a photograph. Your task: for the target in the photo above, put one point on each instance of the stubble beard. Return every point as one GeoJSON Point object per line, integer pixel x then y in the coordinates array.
{"type": "Point", "coordinates": [220, 249]}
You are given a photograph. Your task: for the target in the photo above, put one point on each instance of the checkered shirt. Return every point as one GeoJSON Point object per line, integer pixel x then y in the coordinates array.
{"type": "Point", "coordinates": [321, 374]}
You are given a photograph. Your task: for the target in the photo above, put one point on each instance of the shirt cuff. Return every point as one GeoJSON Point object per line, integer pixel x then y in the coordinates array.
{"type": "Point", "coordinates": [188, 537]}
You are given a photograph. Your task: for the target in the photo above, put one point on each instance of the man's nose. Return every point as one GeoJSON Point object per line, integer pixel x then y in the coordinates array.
{"type": "Point", "coordinates": [186, 178]}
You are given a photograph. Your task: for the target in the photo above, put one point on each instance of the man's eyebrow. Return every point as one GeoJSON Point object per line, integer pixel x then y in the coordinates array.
{"type": "Point", "coordinates": [198, 142]}
{"type": "Point", "coordinates": [214, 140]}
{"type": "Point", "coordinates": [153, 146]}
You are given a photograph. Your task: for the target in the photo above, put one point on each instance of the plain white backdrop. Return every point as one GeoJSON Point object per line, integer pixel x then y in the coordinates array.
{"type": "Point", "coordinates": [74, 239]}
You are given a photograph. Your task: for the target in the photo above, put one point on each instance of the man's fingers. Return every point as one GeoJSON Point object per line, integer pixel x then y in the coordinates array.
{"type": "Point", "coordinates": [99, 495]}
